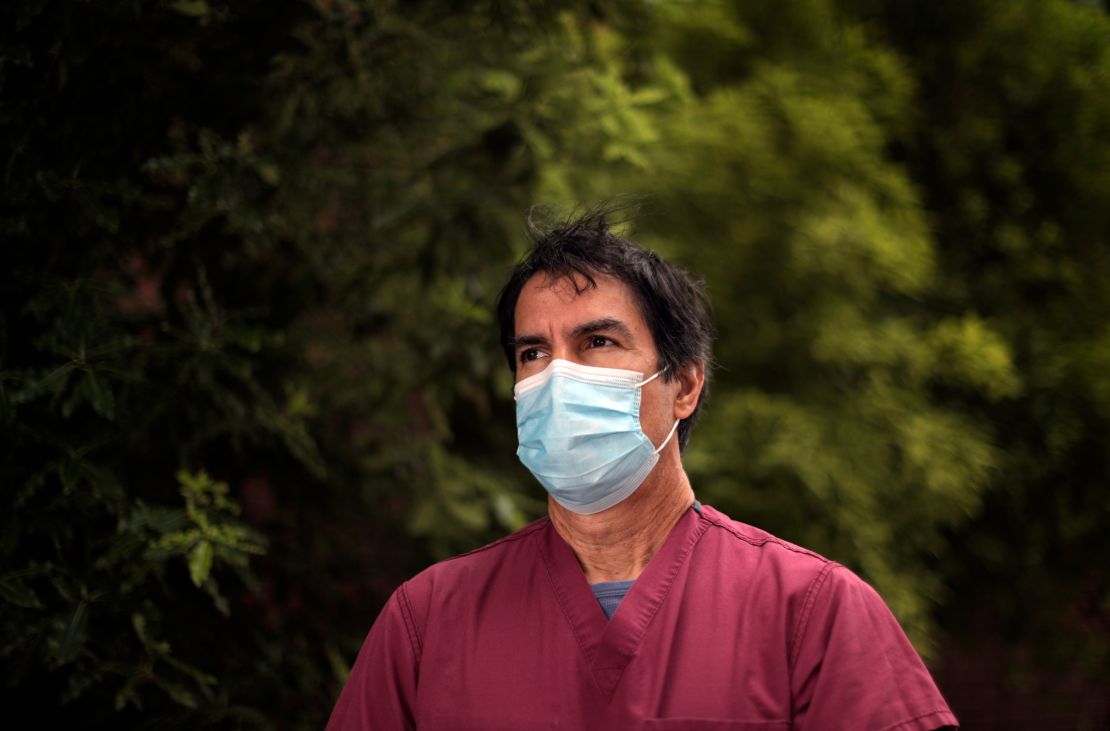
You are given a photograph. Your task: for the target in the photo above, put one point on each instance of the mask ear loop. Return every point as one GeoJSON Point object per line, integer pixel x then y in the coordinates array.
{"type": "Point", "coordinates": [671, 434]}
{"type": "Point", "coordinates": [651, 378]}
{"type": "Point", "coordinates": [674, 428]}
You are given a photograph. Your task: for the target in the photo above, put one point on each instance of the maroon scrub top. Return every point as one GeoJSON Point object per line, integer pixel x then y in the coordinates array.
{"type": "Point", "coordinates": [728, 627]}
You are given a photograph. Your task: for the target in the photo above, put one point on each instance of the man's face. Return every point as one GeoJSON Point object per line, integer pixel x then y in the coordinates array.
{"type": "Point", "coordinates": [601, 326]}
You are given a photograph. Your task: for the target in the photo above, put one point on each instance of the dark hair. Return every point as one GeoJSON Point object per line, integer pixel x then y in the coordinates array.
{"type": "Point", "coordinates": [671, 301]}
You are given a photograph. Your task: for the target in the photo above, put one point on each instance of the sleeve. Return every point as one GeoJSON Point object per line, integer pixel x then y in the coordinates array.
{"type": "Point", "coordinates": [852, 666]}
{"type": "Point", "coordinates": [381, 689]}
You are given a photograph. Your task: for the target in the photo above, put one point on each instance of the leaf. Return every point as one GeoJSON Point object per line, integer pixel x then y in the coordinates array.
{"type": "Point", "coordinates": [69, 471]}
{"type": "Point", "coordinates": [177, 541]}
{"type": "Point", "coordinates": [200, 562]}
{"type": "Point", "coordinates": [16, 592]}
{"type": "Point", "coordinates": [153, 647]}
{"type": "Point", "coordinates": [269, 173]}
{"type": "Point", "coordinates": [138, 621]}
{"type": "Point", "coordinates": [501, 83]}
{"type": "Point", "coordinates": [217, 598]}
{"type": "Point", "coordinates": [102, 481]}
{"type": "Point", "coordinates": [203, 680]}
{"type": "Point", "coordinates": [179, 694]}
{"type": "Point", "coordinates": [100, 396]}
{"type": "Point", "coordinates": [75, 398]}
{"type": "Point", "coordinates": [340, 668]}
{"type": "Point", "coordinates": [54, 381]}
{"type": "Point", "coordinates": [73, 638]}
{"type": "Point", "coordinates": [127, 694]}
{"type": "Point", "coordinates": [509, 515]}
{"type": "Point", "coordinates": [192, 8]}
{"type": "Point", "coordinates": [304, 449]}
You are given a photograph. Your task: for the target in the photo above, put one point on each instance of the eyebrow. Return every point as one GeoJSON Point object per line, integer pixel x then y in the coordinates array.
{"type": "Point", "coordinates": [605, 324]}
{"type": "Point", "coordinates": [528, 340]}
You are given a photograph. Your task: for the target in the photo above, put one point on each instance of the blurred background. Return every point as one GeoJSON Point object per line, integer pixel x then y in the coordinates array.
{"type": "Point", "coordinates": [250, 377]}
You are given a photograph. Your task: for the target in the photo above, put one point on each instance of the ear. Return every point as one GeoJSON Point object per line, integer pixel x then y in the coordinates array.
{"type": "Point", "coordinates": [690, 381]}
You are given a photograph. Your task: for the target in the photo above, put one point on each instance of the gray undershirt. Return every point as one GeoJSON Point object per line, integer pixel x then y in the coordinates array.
{"type": "Point", "coordinates": [610, 593]}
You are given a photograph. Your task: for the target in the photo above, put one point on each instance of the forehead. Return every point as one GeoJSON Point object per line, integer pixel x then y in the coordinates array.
{"type": "Point", "coordinates": [554, 304]}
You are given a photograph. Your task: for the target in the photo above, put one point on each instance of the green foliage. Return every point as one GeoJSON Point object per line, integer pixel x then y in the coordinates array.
{"type": "Point", "coordinates": [210, 536]}
{"type": "Point", "coordinates": [1011, 148]}
{"type": "Point", "coordinates": [771, 176]}
{"type": "Point", "coordinates": [249, 376]}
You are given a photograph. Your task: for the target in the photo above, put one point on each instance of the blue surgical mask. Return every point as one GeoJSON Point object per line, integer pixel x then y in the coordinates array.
{"type": "Point", "coordinates": [580, 435]}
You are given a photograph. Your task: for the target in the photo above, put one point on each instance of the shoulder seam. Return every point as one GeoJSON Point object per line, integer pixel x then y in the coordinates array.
{"type": "Point", "coordinates": [815, 584]}
{"type": "Point", "coordinates": [764, 541]}
{"type": "Point", "coordinates": [410, 622]}
{"type": "Point", "coordinates": [945, 713]}
{"type": "Point", "coordinates": [814, 589]}
{"type": "Point", "coordinates": [518, 535]}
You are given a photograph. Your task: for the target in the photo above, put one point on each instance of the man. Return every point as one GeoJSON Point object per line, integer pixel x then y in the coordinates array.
{"type": "Point", "coordinates": [631, 606]}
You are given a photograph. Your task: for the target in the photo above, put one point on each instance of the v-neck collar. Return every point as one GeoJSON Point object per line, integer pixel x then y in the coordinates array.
{"type": "Point", "coordinates": [609, 644]}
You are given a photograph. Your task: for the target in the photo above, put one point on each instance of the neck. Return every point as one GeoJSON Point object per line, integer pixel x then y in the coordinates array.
{"type": "Point", "coordinates": [617, 544]}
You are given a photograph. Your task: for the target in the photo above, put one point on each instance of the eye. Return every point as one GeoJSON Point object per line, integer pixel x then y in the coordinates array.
{"type": "Point", "coordinates": [530, 354]}
{"type": "Point", "coordinates": [599, 341]}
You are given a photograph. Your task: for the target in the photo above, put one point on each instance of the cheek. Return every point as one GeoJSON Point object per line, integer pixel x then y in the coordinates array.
{"type": "Point", "coordinates": [528, 368]}
{"type": "Point", "coordinates": [657, 411]}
